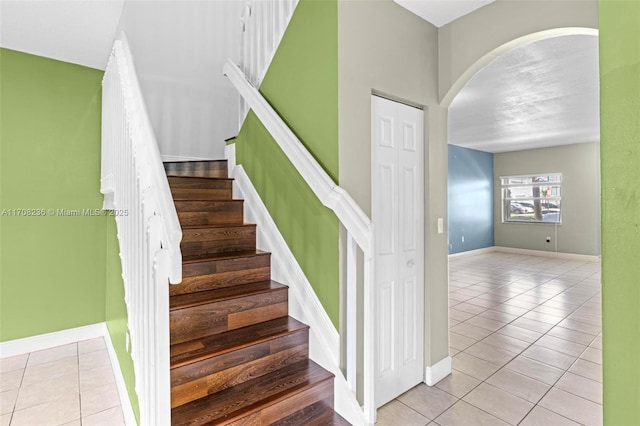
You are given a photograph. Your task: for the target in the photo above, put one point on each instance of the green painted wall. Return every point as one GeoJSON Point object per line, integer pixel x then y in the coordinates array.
{"type": "Point", "coordinates": [56, 272]}
{"type": "Point", "coordinates": [302, 85]}
{"type": "Point", "coordinates": [52, 267]}
{"type": "Point", "coordinates": [620, 156]}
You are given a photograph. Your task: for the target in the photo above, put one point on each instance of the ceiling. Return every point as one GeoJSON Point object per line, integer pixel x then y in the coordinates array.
{"type": "Point", "coordinates": [80, 32]}
{"type": "Point", "coordinates": [441, 12]}
{"type": "Point", "coordinates": [545, 93]}
{"type": "Point", "coordinates": [542, 94]}
{"type": "Point", "coordinates": [83, 31]}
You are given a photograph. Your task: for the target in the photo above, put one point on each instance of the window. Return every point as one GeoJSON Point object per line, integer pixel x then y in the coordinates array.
{"type": "Point", "coordinates": [532, 198]}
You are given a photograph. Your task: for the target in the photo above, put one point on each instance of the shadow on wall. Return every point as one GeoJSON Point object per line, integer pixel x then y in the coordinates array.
{"type": "Point", "coordinates": [470, 199]}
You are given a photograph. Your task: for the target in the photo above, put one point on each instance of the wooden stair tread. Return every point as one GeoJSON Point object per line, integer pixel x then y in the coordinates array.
{"type": "Point", "coordinates": [318, 414]}
{"type": "Point", "coordinates": [199, 168]}
{"type": "Point", "coordinates": [196, 182]}
{"type": "Point", "coordinates": [204, 273]}
{"type": "Point", "coordinates": [194, 227]}
{"type": "Point", "coordinates": [204, 178]}
{"type": "Point", "coordinates": [195, 161]}
{"type": "Point", "coordinates": [222, 256]}
{"type": "Point", "coordinates": [204, 203]}
{"type": "Point", "coordinates": [199, 193]}
{"type": "Point", "coordinates": [203, 297]}
{"type": "Point", "coordinates": [202, 240]}
{"type": "Point", "coordinates": [197, 349]}
{"type": "Point", "coordinates": [251, 397]}
{"type": "Point", "coordinates": [177, 174]}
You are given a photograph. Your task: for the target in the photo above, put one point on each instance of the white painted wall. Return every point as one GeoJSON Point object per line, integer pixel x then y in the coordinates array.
{"type": "Point", "coordinates": [579, 232]}
{"type": "Point", "coordinates": [179, 48]}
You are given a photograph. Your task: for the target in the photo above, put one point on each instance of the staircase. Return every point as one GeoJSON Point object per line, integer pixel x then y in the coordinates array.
{"type": "Point", "coordinates": [236, 356]}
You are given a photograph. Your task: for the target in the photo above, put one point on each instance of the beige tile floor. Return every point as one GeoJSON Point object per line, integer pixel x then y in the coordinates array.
{"type": "Point", "coordinates": [525, 337]}
{"type": "Point", "coordinates": [66, 385]}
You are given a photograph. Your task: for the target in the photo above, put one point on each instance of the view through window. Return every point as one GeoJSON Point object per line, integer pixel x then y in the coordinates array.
{"type": "Point", "coordinates": [532, 198]}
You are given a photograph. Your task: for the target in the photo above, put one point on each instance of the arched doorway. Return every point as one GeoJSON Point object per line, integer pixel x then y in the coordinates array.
{"type": "Point", "coordinates": [514, 320]}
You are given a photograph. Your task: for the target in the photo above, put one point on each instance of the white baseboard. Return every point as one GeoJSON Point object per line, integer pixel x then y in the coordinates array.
{"type": "Point", "coordinates": [527, 252]}
{"type": "Point", "coordinates": [438, 371]}
{"type": "Point", "coordinates": [284, 268]}
{"type": "Point", "coordinates": [304, 305]}
{"type": "Point", "coordinates": [73, 335]}
{"type": "Point", "coordinates": [50, 340]}
{"type": "Point", "coordinates": [125, 402]}
{"type": "Point", "coordinates": [472, 252]}
{"type": "Point", "coordinates": [553, 254]}
{"type": "Point", "coordinates": [345, 402]}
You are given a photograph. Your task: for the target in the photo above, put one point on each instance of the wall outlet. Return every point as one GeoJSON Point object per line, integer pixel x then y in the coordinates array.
{"type": "Point", "coordinates": [463, 238]}
{"type": "Point", "coordinates": [548, 239]}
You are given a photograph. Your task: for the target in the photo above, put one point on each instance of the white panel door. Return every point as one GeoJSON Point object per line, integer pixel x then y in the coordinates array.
{"type": "Point", "coordinates": [398, 216]}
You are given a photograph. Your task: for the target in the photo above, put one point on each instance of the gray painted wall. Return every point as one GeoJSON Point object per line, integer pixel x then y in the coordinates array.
{"type": "Point", "coordinates": [468, 39]}
{"type": "Point", "coordinates": [384, 48]}
{"type": "Point", "coordinates": [579, 232]}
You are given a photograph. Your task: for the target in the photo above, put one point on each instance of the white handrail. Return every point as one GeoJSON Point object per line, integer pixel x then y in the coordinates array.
{"type": "Point", "coordinates": [329, 194]}
{"type": "Point", "coordinates": [136, 189]}
{"type": "Point", "coordinates": [357, 224]}
{"type": "Point", "coordinates": [167, 209]}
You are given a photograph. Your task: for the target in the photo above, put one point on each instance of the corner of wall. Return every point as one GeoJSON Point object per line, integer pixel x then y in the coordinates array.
{"type": "Point", "coordinates": [620, 165]}
{"type": "Point", "coordinates": [116, 314]}
{"type": "Point", "coordinates": [470, 199]}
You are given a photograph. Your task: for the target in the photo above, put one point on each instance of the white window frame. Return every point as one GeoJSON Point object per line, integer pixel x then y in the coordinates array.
{"type": "Point", "coordinates": [506, 201]}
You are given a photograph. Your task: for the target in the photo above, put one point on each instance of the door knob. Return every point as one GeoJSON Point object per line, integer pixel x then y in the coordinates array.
{"type": "Point", "coordinates": [410, 264]}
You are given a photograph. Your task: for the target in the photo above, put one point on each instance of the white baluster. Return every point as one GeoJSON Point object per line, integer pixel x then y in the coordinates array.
{"type": "Point", "coordinates": [369, 342]}
{"type": "Point", "coordinates": [352, 314]}
{"type": "Point", "coordinates": [133, 181]}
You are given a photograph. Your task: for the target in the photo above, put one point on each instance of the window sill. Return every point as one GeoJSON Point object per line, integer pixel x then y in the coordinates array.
{"type": "Point", "coordinates": [530, 222]}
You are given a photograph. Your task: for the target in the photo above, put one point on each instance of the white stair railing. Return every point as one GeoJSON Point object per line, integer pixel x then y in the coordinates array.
{"type": "Point", "coordinates": [136, 190]}
{"type": "Point", "coordinates": [358, 226]}
{"type": "Point", "coordinates": [263, 25]}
